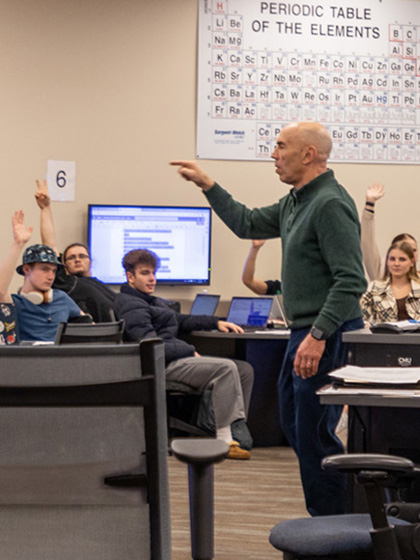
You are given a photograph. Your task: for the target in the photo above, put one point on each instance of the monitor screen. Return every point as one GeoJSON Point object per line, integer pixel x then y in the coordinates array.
{"type": "Point", "coordinates": [180, 237]}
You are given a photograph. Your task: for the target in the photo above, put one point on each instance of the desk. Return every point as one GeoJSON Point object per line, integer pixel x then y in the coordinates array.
{"type": "Point", "coordinates": [378, 349]}
{"type": "Point", "coordinates": [340, 396]}
{"type": "Point", "coordinates": [264, 351]}
{"type": "Point", "coordinates": [378, 424]}
{"type": "Point", "coordinates": [392, 425]}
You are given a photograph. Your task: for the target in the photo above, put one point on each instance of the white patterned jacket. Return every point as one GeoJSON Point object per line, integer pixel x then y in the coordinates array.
{"type": "Point", "coordinates": [379, 304]}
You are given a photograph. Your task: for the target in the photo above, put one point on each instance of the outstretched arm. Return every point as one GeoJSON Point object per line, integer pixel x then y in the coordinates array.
{"type": "Point", "coordinates": [370, 251]}
{"type": "Point", "coordinates": [248, 276]}
{"type": "Point", "coordinates": [21, 235]}
{"type": "Point", "coordinates": [47, 224]}
{"type": "Point", "coordinates": [190, 171]}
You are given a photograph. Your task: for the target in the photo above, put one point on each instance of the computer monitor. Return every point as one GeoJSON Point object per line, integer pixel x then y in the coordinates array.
{"type": "Point", "coordinates": [179, 235]}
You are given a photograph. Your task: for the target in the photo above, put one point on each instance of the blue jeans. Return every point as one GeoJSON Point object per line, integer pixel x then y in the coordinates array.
{"type": "Point", "coordinates": [310, 426]}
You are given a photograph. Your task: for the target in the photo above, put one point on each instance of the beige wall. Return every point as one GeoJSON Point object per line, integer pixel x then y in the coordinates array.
{"type": "Point", "coordinates": [111, 84]}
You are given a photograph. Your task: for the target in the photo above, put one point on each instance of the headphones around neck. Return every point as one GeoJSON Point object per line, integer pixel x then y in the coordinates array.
{"type": "Point", "coordinates": [38, 297]}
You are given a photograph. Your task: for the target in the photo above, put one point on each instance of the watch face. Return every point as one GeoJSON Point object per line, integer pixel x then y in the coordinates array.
{"type": "Point", "coordinates": [317, 333]}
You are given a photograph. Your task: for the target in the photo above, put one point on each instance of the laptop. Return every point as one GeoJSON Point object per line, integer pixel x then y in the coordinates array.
{"type": "Point", "coordinates": [204, 304]}
{"type": "Point", "coordinates": [278, 317]}
{"type": "Point", "coordinates": [250, 313]}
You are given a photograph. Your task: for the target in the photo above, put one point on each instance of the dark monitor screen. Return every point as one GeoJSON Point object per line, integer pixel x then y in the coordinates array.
{"type": "Point", "coordinates": [179, 235]}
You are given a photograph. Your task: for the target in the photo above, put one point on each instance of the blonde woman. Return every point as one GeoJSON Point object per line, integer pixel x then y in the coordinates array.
{"type": "Point", "coordinates": [397, 296]}
{"type": "Point", "coordinates": [371, 255]}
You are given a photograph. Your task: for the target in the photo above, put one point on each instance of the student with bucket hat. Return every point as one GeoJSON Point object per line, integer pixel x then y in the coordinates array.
{"type": "Point", "coordinates": [39, 308]}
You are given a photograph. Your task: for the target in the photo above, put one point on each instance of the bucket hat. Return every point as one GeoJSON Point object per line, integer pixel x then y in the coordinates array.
{"type": "Point", "coordinates": [38, 254]}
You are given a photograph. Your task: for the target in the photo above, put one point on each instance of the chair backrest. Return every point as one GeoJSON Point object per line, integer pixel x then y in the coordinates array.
{"type": "Point", "coordinates": [90, 333]}
{"type": "Point", "coordinates": [83, 452]}
{"type": "Point", "coordinates": [9, 333]}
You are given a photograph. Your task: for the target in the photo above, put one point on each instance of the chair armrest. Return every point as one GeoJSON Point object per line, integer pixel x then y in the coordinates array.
{"type": "Point", "coordinates": [357, 462]}
{"type": "Point", "coordinates": [199, 451]}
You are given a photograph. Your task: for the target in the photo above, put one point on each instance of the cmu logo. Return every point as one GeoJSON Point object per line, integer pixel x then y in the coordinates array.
{"type": "Point", "coordinates": [404, 362]}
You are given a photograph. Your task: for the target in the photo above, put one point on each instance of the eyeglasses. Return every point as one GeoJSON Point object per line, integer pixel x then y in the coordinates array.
{"type": "Point", "coordinates": [74, 257]}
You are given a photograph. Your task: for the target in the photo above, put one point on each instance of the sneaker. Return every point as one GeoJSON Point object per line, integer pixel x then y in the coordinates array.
{"type": "Point", "coordinates": [236, 452]}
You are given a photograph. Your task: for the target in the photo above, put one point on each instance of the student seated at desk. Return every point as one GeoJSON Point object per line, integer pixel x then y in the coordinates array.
{"type": "Point", "coordinates": [260, 287]}
{"type": "Point", "coordinates": [397, 296]}
{"type": "Point", "coordinates": [370, 251]}
{"type": "Point", "coordinates": [147, 316]}
{"type": "Point", "coordinates": [74, 278]}
{"type": "Point", "coordinates": [39, 308]}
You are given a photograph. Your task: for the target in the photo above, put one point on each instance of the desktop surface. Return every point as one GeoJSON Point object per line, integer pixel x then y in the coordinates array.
{"type": "Point", "coordinates": [267, 334]}
{"type": "Point", "coordinates": [386, 399]}
{"type": "Point", "coordinates": [366, 336]}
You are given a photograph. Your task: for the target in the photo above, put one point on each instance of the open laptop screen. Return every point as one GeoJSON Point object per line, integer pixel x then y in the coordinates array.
{"type": "Point", "coordinates": [277, 312]}
{"type": "Point", "coordinates": [204, 304]}
{"type": "Point", "coordinates": [250, 311]}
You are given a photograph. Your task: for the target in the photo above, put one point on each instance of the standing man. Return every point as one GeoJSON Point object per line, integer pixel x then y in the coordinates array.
{"type": "Point", "coordinates": [322, 281]}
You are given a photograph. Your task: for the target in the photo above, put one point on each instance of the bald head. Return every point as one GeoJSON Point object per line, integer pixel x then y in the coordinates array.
{"type": "Point", "coordinates": [313, 134]}
{"type": "Point", "coordinates": [301, 152]}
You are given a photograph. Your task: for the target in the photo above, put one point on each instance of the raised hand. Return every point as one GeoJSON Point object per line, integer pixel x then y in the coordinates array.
{"type": "Point", "coordinates": [375, 192]}
{"type": "Point", "coordinates": [42, 196]}
{"type": "Point", "coordinates": [21, 234]}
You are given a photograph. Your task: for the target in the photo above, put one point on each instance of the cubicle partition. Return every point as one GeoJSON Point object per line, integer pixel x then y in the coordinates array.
{"type": "Point", "coordinates": [83, 453]}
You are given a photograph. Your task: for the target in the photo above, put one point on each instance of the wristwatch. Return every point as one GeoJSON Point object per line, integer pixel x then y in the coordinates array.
{"type": "Point", "coordinates": [318, 334]}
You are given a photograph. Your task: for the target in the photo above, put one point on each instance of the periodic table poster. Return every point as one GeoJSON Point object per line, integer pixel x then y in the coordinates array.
{"type": "Point", "coordinates": [353, 65]}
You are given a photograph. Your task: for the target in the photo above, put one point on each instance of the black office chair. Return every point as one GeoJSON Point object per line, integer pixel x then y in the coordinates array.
{"type": "Point", "coordinates": [189, 411]}
{"type": "Point", "coordinates": [388, 532]}
{"type": "Point", "coordinates": [90, 333]}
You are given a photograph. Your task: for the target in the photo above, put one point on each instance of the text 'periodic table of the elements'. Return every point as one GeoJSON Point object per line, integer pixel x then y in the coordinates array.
{"type": "Point", "coordinates": [353, 65]}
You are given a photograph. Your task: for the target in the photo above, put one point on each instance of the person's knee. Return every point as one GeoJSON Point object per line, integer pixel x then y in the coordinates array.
{"type": "Point", "coordinates": [246, 371]}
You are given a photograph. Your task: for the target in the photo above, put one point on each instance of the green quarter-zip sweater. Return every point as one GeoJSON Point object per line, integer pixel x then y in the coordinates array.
{"type": "Point", "coordinates": [322, 271]}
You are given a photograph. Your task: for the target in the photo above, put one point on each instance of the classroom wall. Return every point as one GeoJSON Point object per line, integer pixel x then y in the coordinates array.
{"type": "Point", "coordinates": [111, 84]}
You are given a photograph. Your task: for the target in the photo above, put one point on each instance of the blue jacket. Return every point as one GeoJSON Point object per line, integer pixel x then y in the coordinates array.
{"type": "Point", "coordinates": [148, 316]}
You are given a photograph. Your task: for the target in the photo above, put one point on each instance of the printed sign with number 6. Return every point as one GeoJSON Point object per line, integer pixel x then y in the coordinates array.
{"type": "Point", "coordinates": [62, 180]}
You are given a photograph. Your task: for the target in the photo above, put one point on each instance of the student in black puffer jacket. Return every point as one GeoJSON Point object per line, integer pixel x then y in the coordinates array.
{"type": "Point", "coordinates": [147, 316]}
